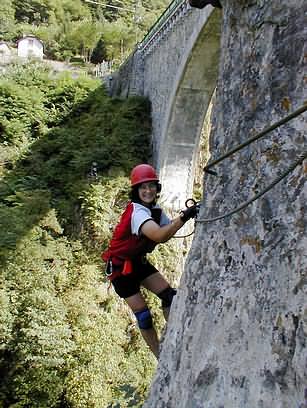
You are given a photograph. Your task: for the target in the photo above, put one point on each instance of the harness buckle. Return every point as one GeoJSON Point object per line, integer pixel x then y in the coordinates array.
{"type": "Point", "coordinates": [109, 268]}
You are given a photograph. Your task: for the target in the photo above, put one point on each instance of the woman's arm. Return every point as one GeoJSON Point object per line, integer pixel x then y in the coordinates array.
{"type": "Point", "coordinates": [161, 234]}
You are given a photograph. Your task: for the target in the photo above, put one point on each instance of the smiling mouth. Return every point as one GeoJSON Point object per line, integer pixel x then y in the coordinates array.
{"type": "Point", "coordinates": [148, 197]}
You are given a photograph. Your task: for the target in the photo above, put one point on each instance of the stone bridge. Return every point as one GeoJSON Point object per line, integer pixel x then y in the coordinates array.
{"type": "Point", "coordinates": [176, 67]}
{"type": "Point", "coordinates": [236, 336]}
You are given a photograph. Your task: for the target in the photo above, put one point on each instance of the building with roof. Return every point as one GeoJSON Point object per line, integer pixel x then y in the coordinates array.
{"type": "Point", "coordinates": [30, 47]}
{"type": "Point", "coordinates": [5, 53]}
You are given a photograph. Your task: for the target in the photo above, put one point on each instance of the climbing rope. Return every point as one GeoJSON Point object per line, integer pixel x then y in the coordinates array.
{"type": "Point", "coordinates": [300, 160]}
{"type": "Point", "coordinates": [267, 130]}
{"type": "Point", "coordinates": [184, 236]}
{"type": "Point", "coordinates": [256, 137]}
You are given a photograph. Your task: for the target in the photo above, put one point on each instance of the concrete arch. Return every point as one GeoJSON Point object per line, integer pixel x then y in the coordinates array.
{"type": "Point", "coordinates": [189, 99]}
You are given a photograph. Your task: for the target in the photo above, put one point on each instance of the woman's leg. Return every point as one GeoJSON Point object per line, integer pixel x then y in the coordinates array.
{"type": "Point", "coordinates": [156, 283]}
{"type": "Point", "coordinates": [139, 307]}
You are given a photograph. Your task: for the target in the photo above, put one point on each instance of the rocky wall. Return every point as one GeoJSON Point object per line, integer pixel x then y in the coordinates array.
{"type": "Point", "coordinates": [236, 337]}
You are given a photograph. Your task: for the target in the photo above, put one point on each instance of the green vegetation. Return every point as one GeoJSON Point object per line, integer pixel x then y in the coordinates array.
{"type": "Point", "coordinates": [74, 27]}
{"type": "Point", "coordinates": [65, 339]}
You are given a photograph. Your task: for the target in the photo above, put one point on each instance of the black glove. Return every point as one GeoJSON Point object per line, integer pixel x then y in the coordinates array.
{"type": "Point", "coordinates": [190, 212]}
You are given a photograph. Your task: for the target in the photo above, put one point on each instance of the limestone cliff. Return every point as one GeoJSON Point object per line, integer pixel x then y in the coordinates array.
{"type": "Point", "coordinates": [237, 332]}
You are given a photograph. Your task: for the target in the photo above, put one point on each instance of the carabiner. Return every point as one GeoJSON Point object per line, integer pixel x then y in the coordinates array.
{"type": "Point", "coordinates": [109, 268]}
{"type": "Point", "coordinates": [190, 202]}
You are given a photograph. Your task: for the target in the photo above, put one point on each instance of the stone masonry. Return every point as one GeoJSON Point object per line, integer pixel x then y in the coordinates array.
{"type": "Point", "coordinates": [176, 68]}
{"type": "Point", "coordinates": [237, 333]}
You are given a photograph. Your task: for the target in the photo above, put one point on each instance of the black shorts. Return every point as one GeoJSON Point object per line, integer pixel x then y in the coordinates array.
{"type": "Point", "coordinates": [128, 285]}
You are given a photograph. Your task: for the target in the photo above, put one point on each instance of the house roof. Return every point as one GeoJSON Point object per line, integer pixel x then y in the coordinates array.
{"type": "Point", "coordinates": [29, 36]}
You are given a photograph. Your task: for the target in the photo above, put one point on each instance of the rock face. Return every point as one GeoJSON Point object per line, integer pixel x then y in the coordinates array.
{"type": "Point", "coordinates": [236, 337]}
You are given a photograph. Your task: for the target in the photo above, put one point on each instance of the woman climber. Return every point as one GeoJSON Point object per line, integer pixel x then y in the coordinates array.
{"type": "Point", "coordinates": [142, 226]}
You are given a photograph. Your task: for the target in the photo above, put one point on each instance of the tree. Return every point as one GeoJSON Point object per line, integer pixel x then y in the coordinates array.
{"type": "Point", "coordinates": [99, 53]}
{"type": "Point", "coordinates": [31, 11]}
{"type": "Point", "coordinates": [119, 38]}
{"type": "Point", "coordinates": [83, 37]}
{"type": "Point", "coordinates": [6, 19]}
{"type": "Point", "coordinates": [75, 10]}
{"type": "Point", "coordinates": [64, 338]}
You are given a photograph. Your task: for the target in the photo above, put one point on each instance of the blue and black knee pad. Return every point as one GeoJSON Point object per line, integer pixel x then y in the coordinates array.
{"type": "Point", "coordinates": [144, 319]}
{"type": "Point", "coordinates": [167, 296]}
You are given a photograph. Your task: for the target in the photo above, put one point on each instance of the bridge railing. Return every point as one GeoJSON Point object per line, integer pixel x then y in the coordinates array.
{"type": "Point", "coordinates": [160, 22]}
{"type": "Point", "coordinates": [155, 28]}
{"type": "Point", "coordinates": [170, 14]}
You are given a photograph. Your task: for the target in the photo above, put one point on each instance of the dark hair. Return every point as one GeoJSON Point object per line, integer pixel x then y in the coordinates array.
{"type": "Point", "coordinates": [134, 193]}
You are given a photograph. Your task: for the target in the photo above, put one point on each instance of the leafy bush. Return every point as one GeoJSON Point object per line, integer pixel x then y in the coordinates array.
{"type": "Point", "coordinates": [21, 113]}
{"type": "Point", "coordinates": [65, 339]}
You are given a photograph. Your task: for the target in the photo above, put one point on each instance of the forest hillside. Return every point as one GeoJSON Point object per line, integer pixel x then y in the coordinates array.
{"type": "Point", "coordinates": [66, 150]}
{"type": "Point", "coordinates": [94, 30]}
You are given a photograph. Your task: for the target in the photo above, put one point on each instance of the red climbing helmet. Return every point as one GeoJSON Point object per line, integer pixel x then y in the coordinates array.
{"type": "Point", "coordinates": [142, 173]}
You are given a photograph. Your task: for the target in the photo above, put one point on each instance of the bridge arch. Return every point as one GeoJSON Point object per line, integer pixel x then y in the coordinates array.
{"type": "Point", "coordinates": [188, 103]}
{"type": "Point", "coordinates": [176, 67]}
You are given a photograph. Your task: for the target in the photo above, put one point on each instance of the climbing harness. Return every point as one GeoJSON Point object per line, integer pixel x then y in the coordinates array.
{"type": "Point", "coordinates": [208, 170]}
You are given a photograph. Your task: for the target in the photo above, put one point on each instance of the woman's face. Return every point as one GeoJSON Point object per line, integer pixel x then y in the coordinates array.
{"type": "Point", "coordinates": [148, 192]}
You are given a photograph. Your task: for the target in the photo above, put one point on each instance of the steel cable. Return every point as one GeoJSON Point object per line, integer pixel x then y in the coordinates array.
{"type": "Point", "coordinates": [256, 137]}
{"type": "Point", "coordinates": [299, 160]}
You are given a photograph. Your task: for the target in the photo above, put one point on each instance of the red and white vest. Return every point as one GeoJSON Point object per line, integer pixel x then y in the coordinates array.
{"type": "Point", "coordinates": [127, 241]}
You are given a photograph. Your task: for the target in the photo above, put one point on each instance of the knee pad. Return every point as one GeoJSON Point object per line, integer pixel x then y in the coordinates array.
{"type": "Point", "coordinates": [144, 319]}
{"type": "Point", "coordinates": [167, 296]}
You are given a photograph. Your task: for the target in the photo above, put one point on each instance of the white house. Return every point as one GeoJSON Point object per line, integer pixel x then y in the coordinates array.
{"type": "Point", "coordinates": [5, 53]}
{"type": "Point", "coordinates": [30, 47]}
